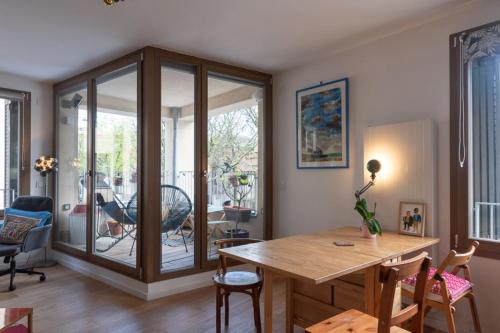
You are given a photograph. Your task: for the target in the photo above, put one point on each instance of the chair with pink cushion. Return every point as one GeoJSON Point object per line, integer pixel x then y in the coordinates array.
{"type": "Point", "coordinates": [444, 288]}
{"type": "Point", "coordinates": [16, 329]}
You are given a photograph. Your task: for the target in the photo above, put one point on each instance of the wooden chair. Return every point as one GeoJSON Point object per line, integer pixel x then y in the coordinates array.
{"type": "Point", "coordinates": [227, 282]}
{"type": "Point", "coordinates": [445, 289]}
{"type": "Point", "coordinates": [390, 274]}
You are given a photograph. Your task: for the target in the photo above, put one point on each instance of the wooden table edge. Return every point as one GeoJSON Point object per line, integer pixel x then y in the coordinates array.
{"type": "Point", "coordinates": [378, 260]}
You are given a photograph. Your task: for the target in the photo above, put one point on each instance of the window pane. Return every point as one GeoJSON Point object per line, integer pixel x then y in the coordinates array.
{"type": "Point", "coordinates": [235, 161]}
{"type": "Point", "coordinates": [72, 127]}
{"type": "Point", "coordinates": [177, 167]}
{"type": "Point", "coordinates": [485, 143]}
{"type": "Point", "coordinates": [10, 137]}
{"type": "Point", "coordinates": [115, 176]}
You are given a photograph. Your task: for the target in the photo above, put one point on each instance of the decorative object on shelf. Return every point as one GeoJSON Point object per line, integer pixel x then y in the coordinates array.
{"type": "Point", "coordinates": [412, 218]}
{"type": "Point", "coordinates": [371, 226]}
{"type": "Point", "coordinates": [237, 187]}
{"type": "Point", "coordinates": [109, 3]}
{"type": "Point", "coordinates": [323, 125]}
{"type": "Point", "coordinates": [45, 165]}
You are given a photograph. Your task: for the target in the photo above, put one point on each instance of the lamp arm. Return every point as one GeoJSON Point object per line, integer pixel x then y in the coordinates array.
{"type": "Point", "coordinates": [358, 193]}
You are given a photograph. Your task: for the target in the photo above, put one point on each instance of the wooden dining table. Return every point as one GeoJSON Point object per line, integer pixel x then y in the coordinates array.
{"type": "Point", "coordinates": [314, 261]}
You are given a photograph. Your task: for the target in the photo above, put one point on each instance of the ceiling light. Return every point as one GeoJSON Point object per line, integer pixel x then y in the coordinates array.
{"type": "Point", "coordinates": [111, 2]}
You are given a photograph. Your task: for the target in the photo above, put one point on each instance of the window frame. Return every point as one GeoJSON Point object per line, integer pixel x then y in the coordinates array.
{"type": "Point", "coordinates": [89, 78]}
{"type": "Point", "coordinates": [25, 146]}
{"type": "Point", "coordinates": [148, 247]}
{"type": "Point", "coordinates": [459, 177]}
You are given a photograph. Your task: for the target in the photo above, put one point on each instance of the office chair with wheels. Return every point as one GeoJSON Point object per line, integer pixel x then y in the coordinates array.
{"type": "Point", "coordinates": [37, 237]}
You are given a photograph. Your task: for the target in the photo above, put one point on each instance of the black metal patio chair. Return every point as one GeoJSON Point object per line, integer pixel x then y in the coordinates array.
{"type": "Point", "coordinates": [125, 215]}
{"type": "Point", "coordinates": [176, 208]}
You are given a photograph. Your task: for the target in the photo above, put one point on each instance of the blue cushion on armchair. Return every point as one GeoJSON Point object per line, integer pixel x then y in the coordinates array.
{"type": "Point", "coordinates": [44, 216]}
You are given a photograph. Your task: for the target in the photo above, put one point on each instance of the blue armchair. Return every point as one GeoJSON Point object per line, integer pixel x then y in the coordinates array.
{"type": "Point", "coordinates": [36, 238]}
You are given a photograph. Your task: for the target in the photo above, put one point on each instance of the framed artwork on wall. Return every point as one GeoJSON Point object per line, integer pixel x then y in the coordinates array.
{"type": "Point", "coordinates": [323, 125]}
{"type": "Point", "coordinates": [412, 218]}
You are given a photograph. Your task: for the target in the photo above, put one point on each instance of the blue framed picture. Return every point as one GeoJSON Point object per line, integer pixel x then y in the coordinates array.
{"type": "Point", "coordinates": [323, 125]}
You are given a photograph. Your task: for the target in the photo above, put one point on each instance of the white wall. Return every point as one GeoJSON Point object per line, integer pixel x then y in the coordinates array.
{"type": "Point", "coordinates": [41, 128]}
{"type": "Point", "coordinates": [402, 77]}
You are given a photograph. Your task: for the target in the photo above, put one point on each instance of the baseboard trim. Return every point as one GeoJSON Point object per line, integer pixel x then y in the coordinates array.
{"type": "Point", "coordinates": [113, 279]}
{"type": "Point", "coordinates": [145, 291]}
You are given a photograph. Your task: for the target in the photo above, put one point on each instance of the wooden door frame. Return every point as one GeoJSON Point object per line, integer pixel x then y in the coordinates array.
{"type": "Point", "coordinates": [88, 79]}
{"type": "Point", "coordinates": [265, 82]}
{"type": "Point", "coordinates": [149, 95]}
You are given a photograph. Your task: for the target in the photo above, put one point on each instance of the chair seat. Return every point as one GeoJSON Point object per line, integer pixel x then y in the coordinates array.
{"type": "Point", "coordinates": [16, 329]}
{"type": "Point", "coordinates": [456, 285]}
{"type": "Point", "coordinates": [9, 249]}
{"type": "Point", "coordinates": [350, 321]}
{"type": "Point", "coordinates": [238, 279]}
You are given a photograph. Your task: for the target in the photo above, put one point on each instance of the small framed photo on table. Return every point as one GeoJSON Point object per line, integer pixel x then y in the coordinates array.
{"type": "Point", "coordinates": [412, 218]}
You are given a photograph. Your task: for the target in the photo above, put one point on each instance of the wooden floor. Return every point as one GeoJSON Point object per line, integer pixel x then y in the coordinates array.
{"type": "Point", "coordinates": [70, 302]}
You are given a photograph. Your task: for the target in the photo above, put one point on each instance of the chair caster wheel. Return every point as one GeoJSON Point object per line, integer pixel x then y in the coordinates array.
{"type": "Point", "coordinates": [12, 288]}
{"type": "Point", "coordinates": [42, 278]}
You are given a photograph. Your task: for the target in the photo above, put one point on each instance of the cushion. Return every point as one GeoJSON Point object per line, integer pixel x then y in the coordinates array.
{"type": "Point", "coordinates": [456, 285]}
{"type": "Point", "coordinates": [16, 329]}
{"type": "Point", "coordinates": [16, 228]}
{"type": "Point", "coordinates": [9, 250]}
{"type": "Point", "coordinates": [44, 216]}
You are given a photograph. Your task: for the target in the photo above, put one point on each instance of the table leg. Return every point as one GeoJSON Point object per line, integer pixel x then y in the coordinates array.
{"type": "Point", "coordinates": [289, 305]}
{"type": "Point", "coordinates": [30, 322]}
{"type": "Point", "coordinates": [268, 301]}
{"type": "Point", "coordinates": [372, 290]}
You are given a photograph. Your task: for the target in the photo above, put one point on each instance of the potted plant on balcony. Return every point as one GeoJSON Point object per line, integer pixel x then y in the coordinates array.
{"type": "Point", "coordinates": [237, 188]}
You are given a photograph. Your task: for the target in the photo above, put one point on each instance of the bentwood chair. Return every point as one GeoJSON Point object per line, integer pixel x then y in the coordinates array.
{"type": "Point", "coordinates": [390, 274]}
{"type": "Point", "coordinates": [227, 282]}
{"type": "Point", "coordinates": [447, 288]}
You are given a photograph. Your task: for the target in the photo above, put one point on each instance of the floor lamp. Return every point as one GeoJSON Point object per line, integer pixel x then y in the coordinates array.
{"type": "Point", "coordinates": [45, 165]}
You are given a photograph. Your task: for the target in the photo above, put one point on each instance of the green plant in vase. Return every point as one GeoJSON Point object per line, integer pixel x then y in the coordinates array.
{"type": "Point", "coordinates": [369, 220]}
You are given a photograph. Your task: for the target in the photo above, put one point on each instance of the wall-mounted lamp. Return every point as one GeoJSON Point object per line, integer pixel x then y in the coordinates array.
{"type": "Point", "coordinates": [373, 166]}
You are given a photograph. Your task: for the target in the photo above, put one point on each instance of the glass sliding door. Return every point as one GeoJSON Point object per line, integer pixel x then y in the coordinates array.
{"type": "Point", "coordinates": [235, 160]}
{"type": "Point", "coordinates": [115, 175]}
{"type": "Point", "coordinates": [72, 154]}
{"type": "Point", "coordinates": [177, 188]}
{"type": "Point", "coordinates": [160, 154]}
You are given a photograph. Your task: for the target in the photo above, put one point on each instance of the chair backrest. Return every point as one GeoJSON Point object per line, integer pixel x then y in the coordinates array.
{"type": "Point", "coordinates": [459, 261]}
{"type": "Point", "coordinates": [132, 207]}
{"type": "Point", "coordinates": [100, 199]}
{"type": "Point", "coordinates": [115, 211]}
{"type": "Point", "coordinates": [229, 242]}
{"type": "Point", "coordinates": [176, 207]}
{"type": "Point", "coordinates": [34, 204]}
{"type": "Point", "coordinates": [390, 275]}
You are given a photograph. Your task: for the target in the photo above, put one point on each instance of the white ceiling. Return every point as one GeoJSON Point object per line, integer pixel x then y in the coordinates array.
{"type": "Point", "coordinates": [53, 39]}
